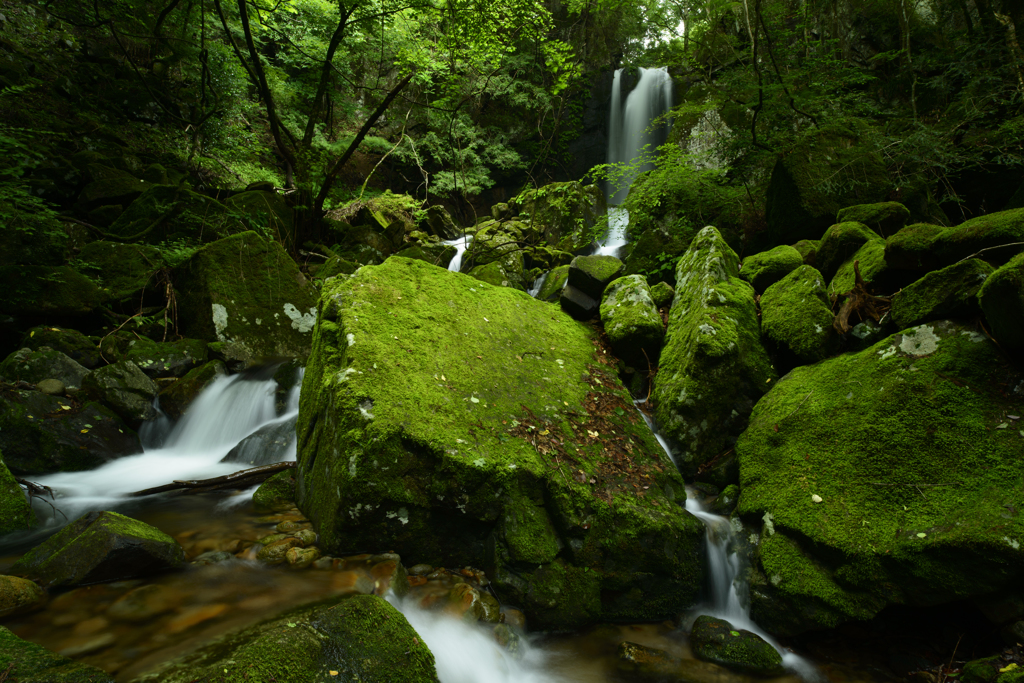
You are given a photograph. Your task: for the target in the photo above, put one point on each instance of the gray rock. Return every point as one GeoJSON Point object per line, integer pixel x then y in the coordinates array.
{"type": "Point", "coordinates": [268, 444]}
{"type": "Point", "coordinates": [577, 304]}
{"type": "Point", "coordinates": [591, 274]}
{"type": "Point", "coordinates": [51, 387]}
{"type": "Point", "coordinates": [35, 365]}
{"type": "Point", "coordinates": [126, 389]}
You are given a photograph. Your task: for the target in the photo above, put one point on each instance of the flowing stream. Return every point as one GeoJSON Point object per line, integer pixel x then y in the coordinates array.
{"type": "Point", "coordinates": [460, 244]}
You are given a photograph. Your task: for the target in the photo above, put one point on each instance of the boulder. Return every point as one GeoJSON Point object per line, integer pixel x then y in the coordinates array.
{"type": "Point", "coordinates": [56, 291]}
{"type": "Point", "coordinates": [440, 223]}
{"type": "Point", "coordinates": [265, 211]}
{"type": "Point", "coordinates": [951, 292]}
{"type": "Point", "coordinates": [563, 212]}
{"type": "Point", "coordinates": [354, 638]}
{"type": "Point", "coordinates": [577, 304]}
{"type": "Point", "coordinates": [274, 442]}
{"type": "Point", "coordinates": [438, 254]}
{"type": "Point", "coordinates": [245, 292]}
{"type": "Point", "coordinates": [1002, 300]}
{"type": "Point", "coordinates": [839, 243]}
{"type": "Point", "coordinates": [768, 267]}
{"type": "Point", "coordinates": [501, 244]}
{"type": "Point", "coordinates": [71, 343]}
{"type": "Point", "coordinates": [885, 218]}
{"type": "Point", "coordinates": [878, 276]}
{"type": "Point", "coordinates": [166, 359]}
{"type": "Point", "coordinates": [662, 294]}
{"type": "Point", "coordinates": [165, 213]}
{"type": "Point", "coordinates": [808, 251]}
{"type": "Point", "coordinates": [111, 186]}
{"type": "Point", "coordinates": [716, 640]}
{"type": "Point", "coordinates": [462, 424]}
{"type": "Point", "coordinates": [128, 271]}
{"type": "Point", "coordinates": [18, 595]}
{"type": "Point", "coordinates": [632, 322]}
{"type": "Point", "coordinates": [653, 254]}
{"type": "Point", "coordinates": [334, 267]}
{"type": "Point", "coordinates": [27, 662]}
{"type": "Point", "coordinates": [15, 511]}
{"type": "Point", "coordinates": [713, 366]}
{"type": "Point", "coordinates": [591, 274]}
{"type": "Point", "coordinates": [100, 547]}
{"type": "Point", "coordinates": [494, 274]}
{"type": "Point", "coordinates": [125, 389]}
{"type": "Point", "coordinates": [928, 247]}
{"type": "Point", "coordinates": [796, 318]}
{"type": "Point", "coordinates": [554, 281]}
{"type": "Point", "coordinates": [885, 477]}
{"type": "Point", "coordinates": [35, 365]}
{"type": "Point", "coordinates": [41, 434]}
{"type": "Point", "coordinates": [175, 399]}
{"type": "Point", "coordinates": [277, 492]}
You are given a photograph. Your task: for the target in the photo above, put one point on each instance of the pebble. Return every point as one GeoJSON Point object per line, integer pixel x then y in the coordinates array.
{"type": "Point", "coordinates": [141, 604]}
{"type": "Point", "coordinates": [306, 537]}
{"type": "Point", "coordinates": [420, 570]}
{"type": "Point", "coordinates": [213, 557]}
{"type": "Point", "coordinates": [289, 527]}
{"type": "Point", "coordinates": [195, 615]}
{"type": "Point", "coordinates": [90, 626]}
{"type": "Point", "coordinates": [51, 387]}
{"type": "Point", "coordinates": [76, 647]}
{"type": "Point", "coordinates": [276, 552]}
{"type": "Point", "coordinates": [300, 558]}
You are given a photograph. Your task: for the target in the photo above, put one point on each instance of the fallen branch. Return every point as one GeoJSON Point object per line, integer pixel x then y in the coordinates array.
{"type": "Point", "coordinates": [235, 480]}
{"type": "Point", "coordinates": [41, 492]}
{"type": "Point", "coordinates": [861, 302]}
{"type": "Point", "coordinates": [998, 246]}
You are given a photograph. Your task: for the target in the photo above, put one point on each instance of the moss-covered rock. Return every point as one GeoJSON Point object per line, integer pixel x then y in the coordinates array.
{"type": "Point", "coordinates": [885, 218]}
{"type": "Point", "coordinates": [72, 343]}
{"type": "Point", "coordinates": [716, 640]}
{"type": "Point", "coordinates": [18, 595]}
{"type": "Point", "coordinates": [37, 291]}
{"type": "Point", "coordinates": [40, 434]}
{"type": "Point", "coordinates": [984, 670]}
{"type": "Point", "coordinates": [497, 243]}
{"type": "Point", "coordinates": [440, 224]}
{"type": "Point", "coordinates": [768, 267]}
{"type": "Point", "coordinates": [99, 547]}
{"type": "Point", "coordinates": [825, 171]}
{"type": "Point", "coordinates": [30, 663]}
{"type": "Point", "coordinates": [883, 477]}
{"type": "Point", "coordinates": [796, 318]}
{"type": "Point", "coordinates": [564, 212]}
{"type": "Point", "coordinates": [172, 212]}
{"type": "Point", "coordinates": [15, 511]}
{"type": "Point", "coordinates": [553, 283]}
{"type": "Point", "coordinates": [421, 404]}
{"type": "Point", "coordinates": [175, 399]}
{"type": "Point", "coordinates": [662, 294]}
{"type": "Point", "coordinates": [493, 274]}
{"type": "Point", "coordinates": [125, 389]}
{"type": "Point", "coordinates": [35, 365]}
{"type": "Point", "coordinates": [632, 322]}
{"type": "Point", "coordinates": [725, 502]}
{"type": "Point", "coordinates": [111, 186]}
{"type": "Point", "coordinates": [245, 292]}
{"type": "Point", "coordinates": [265, 211]}
{"type": "Point", "coordinates": [166, 359]}
{"type": "Point", "coordinates": [878, 276]}
{"type": "Point", "coordinates": [126, 271]}
{"type": "Point", "coordinates": [653, 255]}
{"type": "Point", "coordinates": [591, 274]}
{"type": "Point", "coordinates": [1002, 300]}
{"type": "Point", "coordinates": [277, 492]}
{"type": "Point", "coordinates": [350, 638]}
{"type": "Point", "coordinates": [808, 251]}
{"type": "Point", "coordinates": [951, 292]}
{"type": "Point", "coordinates": [713, 366]}
{"type": "Point", "coordinates": [839, 243]}
{"type": "Point", "coordinates": [438, 254]}
{"type": "Point", "coordinates": [928, 247]}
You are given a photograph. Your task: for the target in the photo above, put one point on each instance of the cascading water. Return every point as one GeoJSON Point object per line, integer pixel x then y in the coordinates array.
{"type": "Point", "coordinates": [460, 244]}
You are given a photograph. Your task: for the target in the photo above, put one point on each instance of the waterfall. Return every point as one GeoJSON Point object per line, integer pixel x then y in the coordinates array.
{"type": "Point", "coordinates": [460, 244]}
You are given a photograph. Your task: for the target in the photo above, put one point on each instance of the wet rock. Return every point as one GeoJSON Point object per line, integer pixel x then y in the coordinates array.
{"type": "Point", "coordinates": [300, 558]}
{"type": "Point", "coordinates": [591, 274]}
{"type": "Point", "coordinates": [270, 443]}
{"type": "Point", "coordinates": [632, 322]}
{"type": "Point", "coordinates": [885, 218]}
{"type": "Point", "coordinates": [277, 492]}
{"type": "Point", "coordinates": [175, 399]}
{"type": "Point", "coordinates": [553, 284]}
{"type": "Point", "coordinates": [72, 343]}
{"type": "Point", "coordinates": [15, 511]}
{"type": "Point", "coordinates": [715, 640]}
{"type": "Point", "coordinates": [796, 318]}
{"type": "Point", "coordinates": [951, 292]}
{"type": "Point", "coordinates": [713, 365]}
{"type": "Point", "coordinates": [306, 537]}
{"type": "Point", "coordinates": [31, 663]}
{"type": "Point", "coordinates": [577, 304]}
{"type": "Point", "coordinates": [648, 663]}
{"type": "Point", "coordinates": [389, 576]}
{"type": "Point", "coordinates": [726, 501]}
{"type": "Point", "coordinates": [141, 604]}
{"type": "Point", "coordinates": [277, 551]}
{"type": "Point", "coordinates": [361, 637]}
{"type": "Point", "coordinates": [100, 547]}
{"type": "Point", "coordinates": [40, 434]}
{"type": "Point", "coordinates": [166, 359]}
{"type": "Point", "coordinates": [1002, 300]}
{"type": "Point", "coordinates": [290, 526]}
{"type": "Point", "coordinates": [514, 618]}
{"type": "Point", "coordinates": [126, 389]}
{"type": "Point", "coordinates": [662, 294]}
{"type": "Point", "coordinates": [35, 365]}
{"type": "Point", "coordinates": [984, 670]}
{"type": "Point", "coordinates": [768, 267]}
{"type": "Point", "coordinates": [508, 639]}
{"type": "Point", "coordinates": [18, 595]}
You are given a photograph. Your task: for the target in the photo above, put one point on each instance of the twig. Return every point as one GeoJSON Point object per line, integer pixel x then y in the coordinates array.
{"type": "Point", "coordinates": [998, 246]}
{"type": "Point", "coordinates": [41, 492]}
{"type": "Point", "coordinates": [799, 404]}
{"type": "Point", "coordinates": [6, 672]}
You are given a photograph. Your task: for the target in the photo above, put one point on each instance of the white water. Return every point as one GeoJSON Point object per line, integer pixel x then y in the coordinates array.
{"type": "Point", "coordinates": [615, 239]}
{"type": "Point", "coordinates": [630, 129]}
{"type": "Point", "coordinates": [538, 284]}
{"type": "Point", "coordinates": [460, 244]}
{"type": "Point", "coordinates": [227, 411]}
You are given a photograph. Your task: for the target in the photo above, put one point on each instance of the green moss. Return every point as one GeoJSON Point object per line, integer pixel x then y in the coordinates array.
{"type": "Point", "coordinates": [715, 640]}
{"type": "Point", "coordinates": [796, 315]}
{"type": "Point", "coordinates": [47, 290]}
{"type": "Point", "coordinates": [868, 434]}
{"type": "Point", "coordinates": [553, 284]}
{"type": "Point", "coordinates": [983, 670]}
{"type": "Point", "coordinates": [885, 218]}
{"type": "Point", "coordinates": [713, 366]}
{"type": "Point", "coordinates": [71, 343]}
{"type": "Point", "coordinates": [125, 270]}
{"type": "Point", "coordinates": [808, 251]}
{"type": "Point", "coordinates": [839, 243]}
{"type": "Point", "coordinates": [266, 212]}
{"type": "Point", "coordinates": [768, 267]}
{"type": "Point", "coordinates": [929, 247]}
{"type": "Point", "coordinates": [493, 274]}
{"type": "Point", "coordinates": [15, 512]}
{"type": "Point", "coordinates": [165, 212]}
{"type": "Point", "coordinates": [951, 292]}
{"type": "Point", "coordinates": [167, 359]}
{"type": "Point", "coordinates": [873, 269]}
{"type": "Point", "coordinates": [1002, 300]}
{"type": "Point", "coordinates": [499, 243]}
{"type": "Point", "coordinates": [909, 248]}
{"type": "Point", "coordinates": [277, 492]}
{"type": "Point", "coordinates": [563, 213]}
{"type": "Point", "coordinates": [35, 664]}
{"type": "Point", "coordinates": [632, 322]}
{"type": "Point", "coordinates": [662, 294]}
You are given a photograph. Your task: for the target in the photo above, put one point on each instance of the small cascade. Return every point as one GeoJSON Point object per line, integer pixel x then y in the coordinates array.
{"type": "Point", "coordinates": [538, 285]}
{"type": "Point", "coordinates": [461, 244]}
{"type": "Point", "coordinates": [618, 221]}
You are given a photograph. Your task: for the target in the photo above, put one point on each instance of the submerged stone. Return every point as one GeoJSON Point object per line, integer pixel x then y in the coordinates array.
{"type": "Point", "coordinates": [716, 640]}
{"type": "Point", "coordinates": [421, 406]}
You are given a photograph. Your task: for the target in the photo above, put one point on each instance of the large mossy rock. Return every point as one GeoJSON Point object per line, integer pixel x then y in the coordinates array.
{"type": "Point", "coordinates": [764, 269]}
{"type": "Point", "coordinates": [15, 511]}
{"type": "Point", "coordinates": [839, 243]}
{"type": "Point", "coordinates": [951, 292]}
{"type": "Point", "coordinates": [125, 389]}
{"type": "Point", "coordinates": [37, 291]}
{"type": "Point", "coordinates": [72, 343]}
{"type": "Point", "coordinates": [591, 274]}
{"type": "Point", "coordinates": [167, 359]}
{"type": "Point", "coordinates": [500, 244]}
{"type": "Point", "coordinates": [462, 424]}
{"type": "Point", "coordinates": [876, 272]}
{"type": "Point", "coordinates": [41, 434]}
{"type": "Point", "coordinates": [713, 366]}
{"type": "Point", "coordinates": [276, 493]}
{"type": "Point", "coordinates": [245, 292]}
{"type": "Point", "coordinates": [167, 213]}
{"type": "Point", "coordinates": [889, 476]}
{"type": "Point", "coordinates": [554, 281]}
{"type": "Point", "coordinates": [1002, 300]}
{"type": "Point", "coordinates": [99, 547]}
{"type": "Point", "coordinates": [632, 322]}
{"type": "Point", "coordinates": [350, 638]}
{"type": "Point", "coordinates": [35, 365]}
{"type": "Point", "coordinates": [825, 171]}
{"type": "Point", "coordinates": [266, 211]}
{"type": "Point", "coordinates": [716, 640]}
{"type": "Point", "coordinates": [928, 247]}
{"type": "Point", "coordinates": [885, 218]}
{"type": "Point", "coordinates": [563, 212]}
{"type": "Point", "coordinates": [126, 271]}
{"type": "Point", "coordinates": [18, 595]}
{"type": "Point", "coordinates": [27, 662]}
{"type": "Point", "coordinates": [796, 318]}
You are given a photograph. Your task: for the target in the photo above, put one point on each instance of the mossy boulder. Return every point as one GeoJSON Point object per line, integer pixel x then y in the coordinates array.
{"type": "Point", "coordinates": [493, 274]}
{"type": "Point", "coordinates": [125, 389]}
{"type": "Point", "coordinates": [563, 212]}
{"type": "Point", "coordinates": [928, 247]}
{"type": "Point", "coordinates": [951, 292]}
{"type": "Point", "coordinates": [984, 670]}
{"type": "Point", "coordinates": [440, 224]}
{"type": "Point", "coordinates": [56, 291]}
{"type": "Point", "coordinates": [713, 365]}
{"type": "Point", "coordinates": [15, 511]}
{"type": "Point", "coordinates": [335, 266]}
{"type": "Point", "coordinates": [839, 243]}
{"type": "Point", "coordinates": [126, 271]}
{"type": "Point", "coordinates": [878, 276]}
{"type": "Point", "coordinates": [828, 169]}
{"type": "Point", "coordinates": [591, 274]}
{"type": "Point", "coordinates": [245, 292]}
{"type": "Point", "coordinates": [35, 365]}
{"type": "Point", "coordinates": [18, 595]}
{"type": "Point", "coordinates": [421, 404]}
{"type": "Point", "coordinates": [30, 663]}
{"type": "Point", "coordinates": [796, 318]}
{"type": "Point", "coordinates": [885, 477]}
{"type": "Point", "coordinates": [266, 212]}
{"type": "Point", "coordinates": [100, 547]}
{"type": "Point", "coordinates": [632, 322]}
{"type": "Point", "coordinates": [41, 434]}
{"type": "Point", "coordinates": [653, 255]}
{"type": "Point", "coordinates": [173, 212]}
{"type": "Point", "coordinates": [501, 244]}
{"type": "Point", "coordinates": [768, 267]}
{"type": "Point", "coordinates": [72, 343]}
{"type": "Point", "coordinates": [349, 638]}
{"type": "Point", "coordinates": [175, 399]}
{"type": "Point", "coordinates": [808, 251]}
{"type": "Point", "coordinates": [277, 492]}
{"type": "Point", "coordinates": [437, 254]}
{"type": "Point", "coordinates": [166, 359]}
{"type": "Point", "coordinates": [553, 284]}
{"type": "Point", "coordinates": [1002, 300]}
{"type": "Point", "coordinates": [716, 640]}
{"type": "Point", "coordinates": [885, 218]}
{"type": "Point", "coordinates": [111, 186]}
